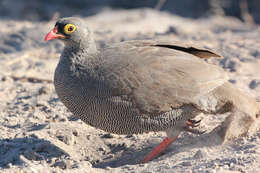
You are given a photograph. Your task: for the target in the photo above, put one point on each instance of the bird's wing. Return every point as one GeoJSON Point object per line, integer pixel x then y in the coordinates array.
{"type": "Point", "coordinates": [155, 78]}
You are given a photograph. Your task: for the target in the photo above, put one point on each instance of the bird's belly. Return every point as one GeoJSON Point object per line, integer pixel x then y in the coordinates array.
{"type": "Point", "coordinates": [106, 113]}
{"type": "Point", "coordinates": [103, 111]}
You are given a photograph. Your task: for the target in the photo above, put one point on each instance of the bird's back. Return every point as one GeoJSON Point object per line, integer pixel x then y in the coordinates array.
{"type": "Point", "coordinates": [156, 78]}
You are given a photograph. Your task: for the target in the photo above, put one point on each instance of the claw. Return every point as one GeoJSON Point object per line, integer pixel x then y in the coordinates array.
{"type": "Point", "coordinates": [193, 123]}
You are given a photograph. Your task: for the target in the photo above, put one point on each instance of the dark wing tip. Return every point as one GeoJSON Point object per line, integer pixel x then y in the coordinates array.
{"type": "Point", "coordinates": [201, 53]}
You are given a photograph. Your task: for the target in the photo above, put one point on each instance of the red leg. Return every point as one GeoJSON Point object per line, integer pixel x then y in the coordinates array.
{"type": "Point", "coordinates": [161, 147]}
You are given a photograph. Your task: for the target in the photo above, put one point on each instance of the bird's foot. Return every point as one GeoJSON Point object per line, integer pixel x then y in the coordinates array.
{"type": "Point", "coordinates": [193, 123]}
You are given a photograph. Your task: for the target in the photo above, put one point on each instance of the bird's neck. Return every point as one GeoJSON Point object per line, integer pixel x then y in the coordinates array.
{"type": "Point", "coordinates": [78, 60]}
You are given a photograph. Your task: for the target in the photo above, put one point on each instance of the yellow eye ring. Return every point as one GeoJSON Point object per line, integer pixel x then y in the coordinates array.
{"type": "Point", "coordinates": [69, 28]}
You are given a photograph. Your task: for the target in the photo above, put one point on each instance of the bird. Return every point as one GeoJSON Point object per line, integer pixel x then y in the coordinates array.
{"type": "Point", "coordinates": [141, 86]}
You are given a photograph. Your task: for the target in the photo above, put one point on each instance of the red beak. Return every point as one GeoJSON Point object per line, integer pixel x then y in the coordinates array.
{"type": "Point", "coordinates": [53, 35]}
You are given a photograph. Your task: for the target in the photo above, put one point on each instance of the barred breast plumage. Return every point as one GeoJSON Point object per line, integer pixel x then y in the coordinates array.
{"type": "Point", "coordinates": [138, 86]}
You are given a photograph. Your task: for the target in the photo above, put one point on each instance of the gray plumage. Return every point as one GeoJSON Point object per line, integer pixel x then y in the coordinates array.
{"type": "Point", "coordinates": [141, 86]}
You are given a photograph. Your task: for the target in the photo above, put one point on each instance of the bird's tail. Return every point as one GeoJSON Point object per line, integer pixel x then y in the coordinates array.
{"type": "Point", "coordinates": [237, 99]}
{"type": "Point", "coordinates": [245, 111]}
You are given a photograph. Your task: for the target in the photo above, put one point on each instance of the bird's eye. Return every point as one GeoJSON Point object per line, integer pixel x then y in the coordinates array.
{"type": "Point", "coordinates": [69, 28]}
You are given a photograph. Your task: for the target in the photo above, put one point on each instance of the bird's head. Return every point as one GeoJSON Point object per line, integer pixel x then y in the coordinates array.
{"type": "Point", "coordinates": [72, 31]}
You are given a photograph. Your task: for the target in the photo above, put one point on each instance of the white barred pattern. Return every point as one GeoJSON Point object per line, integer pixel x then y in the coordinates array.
{"type": "Point", "coordinates": [114, 115]}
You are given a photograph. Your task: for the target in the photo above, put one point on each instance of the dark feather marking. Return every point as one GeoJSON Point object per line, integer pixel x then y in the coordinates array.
{"type": "Point", "coordinates": [194, 51]}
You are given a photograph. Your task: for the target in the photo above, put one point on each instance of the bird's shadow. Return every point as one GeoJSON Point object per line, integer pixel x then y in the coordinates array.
{"type": "Point", "coordinates": [133, 156]}
{"type": "Point", "coordinates": [16, 151]}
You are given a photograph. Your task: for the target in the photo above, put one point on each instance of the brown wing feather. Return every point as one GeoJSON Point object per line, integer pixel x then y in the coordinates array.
{"type": "Point", "coordinates": [156, 78]}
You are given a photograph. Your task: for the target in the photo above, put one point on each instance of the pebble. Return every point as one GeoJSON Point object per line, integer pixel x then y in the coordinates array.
{"type": "Point", "coordinates": [107, 136]}
{"type": "Point", "coordinates": [43, 90]}
{"type": "Point", "coordinates": [75, 132]}
{"type": "Point", "coordinates": [226, 166]}
{"type": "Point", "coordinates": [186, 164]}
{"type": "Point", "coordinates": [199, 154]}
{"type": "Point", "coordinates": [63, 164]}
{"type": "Point", "coordinates": [67, 138]}
{"type": "Point", "coordinates": [254, 84]}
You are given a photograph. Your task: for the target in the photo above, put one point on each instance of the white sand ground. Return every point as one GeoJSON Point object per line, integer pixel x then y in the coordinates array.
{"type": "Point", "coordinates": [38, 134]}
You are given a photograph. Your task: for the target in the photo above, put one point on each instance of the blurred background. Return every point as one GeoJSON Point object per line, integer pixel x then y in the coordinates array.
{"type": "Point", "coordinates": [43, 10]}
